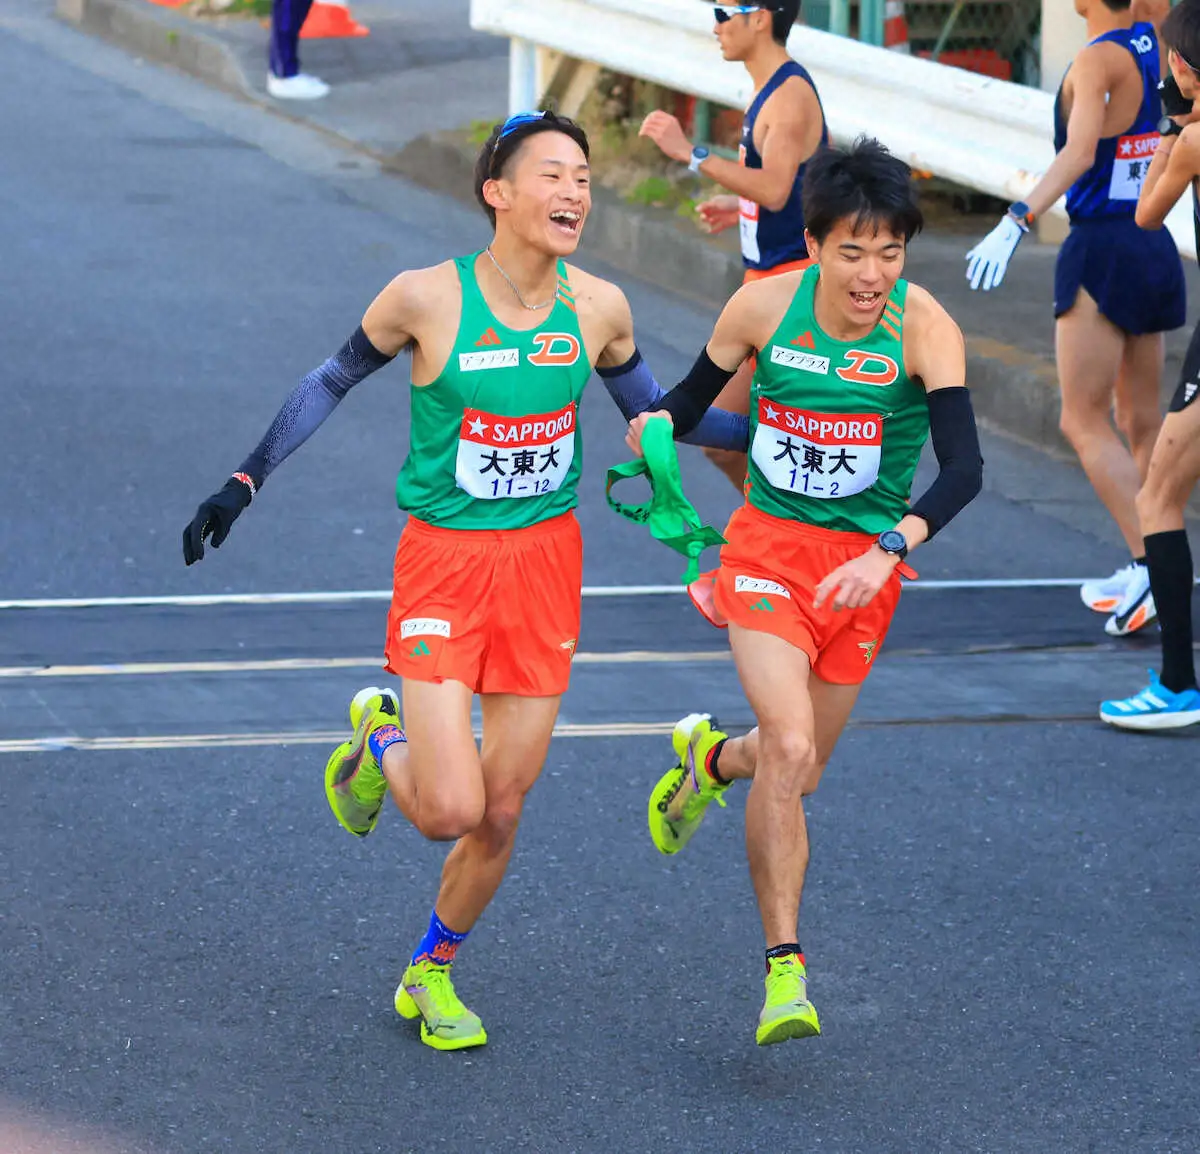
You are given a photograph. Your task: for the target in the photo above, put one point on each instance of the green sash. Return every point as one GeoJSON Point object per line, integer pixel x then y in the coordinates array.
{"type": "Point", "coordinates": [669, 514]}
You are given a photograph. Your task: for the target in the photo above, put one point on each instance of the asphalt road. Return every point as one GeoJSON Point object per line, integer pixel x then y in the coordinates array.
{"type": "Point", "coordinates": [1000, 919]}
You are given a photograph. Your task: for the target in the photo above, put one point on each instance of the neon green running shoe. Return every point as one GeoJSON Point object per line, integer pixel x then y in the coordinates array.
{"type": "Point", "coordinates": [680, 799]}
{"type": "Point", "coordinates": [354, 781]}
{"type": "Point", "coordinates": [787, 1012]}
{"type": "Point", "coordinates": [426, 992]}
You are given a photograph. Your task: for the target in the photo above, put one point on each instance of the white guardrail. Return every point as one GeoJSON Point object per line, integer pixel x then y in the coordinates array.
{"type": "Point", "coordinates": [985, 134]}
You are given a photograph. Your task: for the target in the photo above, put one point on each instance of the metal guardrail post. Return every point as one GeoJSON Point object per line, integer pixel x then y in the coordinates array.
{"type": "Point", "coordinates": [522, 76]}
{"type": "Point", "coordinates": [839, 17]}
{"type": "Point", "coordinates": [871, 14]}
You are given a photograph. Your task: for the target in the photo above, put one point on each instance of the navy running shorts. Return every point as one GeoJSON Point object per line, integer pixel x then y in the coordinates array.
{"type": "Point", "coordinates": [1133, 274]}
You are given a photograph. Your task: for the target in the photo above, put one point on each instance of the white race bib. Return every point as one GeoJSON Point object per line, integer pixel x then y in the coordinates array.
{"type": "Point", "coordinates": [748, 213]}
{"type": "Point", "coordinates": [514, 456]}
{"type": "Point", "coordinates": [1134, 154]}
{"type": "Point", "coordinates": [823, 455]}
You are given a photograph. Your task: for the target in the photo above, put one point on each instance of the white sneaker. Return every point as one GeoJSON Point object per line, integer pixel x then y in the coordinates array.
{"type": "Point", "coordinates": [1104, 594]}
{"type": "Point", "coordinates": [298, 87]}
{"type": "Point", "coordinates": [1136, 609]}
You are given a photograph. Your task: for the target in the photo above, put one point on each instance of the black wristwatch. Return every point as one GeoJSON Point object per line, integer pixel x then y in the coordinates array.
{"type": "Point", "coordinates": [1168, 127]}
{"type": "Point", "coordinates": [892, 541]}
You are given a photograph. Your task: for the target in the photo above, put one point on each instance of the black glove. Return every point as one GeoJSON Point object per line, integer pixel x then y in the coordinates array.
{"type": "Point", "coordinates": [1173, 101]}
{"type": "Point", "coordinates": [215, 518]}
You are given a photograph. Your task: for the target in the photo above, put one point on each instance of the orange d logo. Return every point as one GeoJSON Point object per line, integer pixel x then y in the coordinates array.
{"type": "Point", "coordinates": [555, 349]}
{"type": "Point", "coordinates": [869, 369]}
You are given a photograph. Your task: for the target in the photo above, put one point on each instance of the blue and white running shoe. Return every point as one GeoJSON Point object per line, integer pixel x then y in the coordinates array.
{"type": "Point", "coordinates": [1156, 707]}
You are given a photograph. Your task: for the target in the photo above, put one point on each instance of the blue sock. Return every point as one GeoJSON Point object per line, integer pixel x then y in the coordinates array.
{"type": "Point", "coordinates": [381, 738]}
{"type": "Point", "coordinates": [439, 945]}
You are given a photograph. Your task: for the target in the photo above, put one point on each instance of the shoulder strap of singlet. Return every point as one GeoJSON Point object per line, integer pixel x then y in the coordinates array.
{"type": "Point", "coordinates": [784, 72]}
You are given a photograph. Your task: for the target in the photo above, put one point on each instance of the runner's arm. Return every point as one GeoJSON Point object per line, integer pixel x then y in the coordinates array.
{"type": "Point", "coordinates": [1176, 163]}
{"type": "Point", "coordinates": [302, 413]}
{"type": "Point", "coordinates": [731, 344]}
{"type": "Point", "coordinates": [1089, 79]}
{"type": "Point", "coordinates": [788, 139]}
{"type": "Point", "coordinates": [633, 388]}
{"type": "Point", "coordinates": [937, 356]}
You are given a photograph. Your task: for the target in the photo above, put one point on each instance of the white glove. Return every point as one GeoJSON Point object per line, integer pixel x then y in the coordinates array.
{"type": "Point", "coordinates": [988, 261]}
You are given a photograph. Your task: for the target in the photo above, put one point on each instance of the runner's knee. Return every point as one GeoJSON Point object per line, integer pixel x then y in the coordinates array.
{"type": "Point", "coordinates": [788, 754]}
{"type": "Point", "coordinates": [445, 817]}
{"type": "Point", "coordinates": [501, 818]}
{"type": "Point", "coordinates": [1138, 424]}
{"type": "Point", "coordinates": [1163, 495]}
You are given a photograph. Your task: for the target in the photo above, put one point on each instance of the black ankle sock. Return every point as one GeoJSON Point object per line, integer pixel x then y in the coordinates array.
{"type": "Point", "coordinates": [1170, 564]}
{"type": "Point", "coordinates": [1140, 560]}
{"type": "Point", "coordinates": [713, 758]}
{"type": "Point", "coordinates": [784, 950]}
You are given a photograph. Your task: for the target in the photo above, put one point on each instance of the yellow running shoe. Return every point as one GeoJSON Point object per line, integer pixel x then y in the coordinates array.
{"type": "Point", "coordinates": [787, 1012]}
{"type": "Point", "coordinates": [426, 992]}
{"type": "Point", "coordinates": [354, 781]}
{"type": "Point", "coordinates": [680, 799]}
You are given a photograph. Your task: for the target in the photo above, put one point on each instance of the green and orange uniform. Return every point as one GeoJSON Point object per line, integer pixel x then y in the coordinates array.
{"type": "Point", "coordinates": [836, 431]}
{"type": "Point", "coordinates": [489, 569]}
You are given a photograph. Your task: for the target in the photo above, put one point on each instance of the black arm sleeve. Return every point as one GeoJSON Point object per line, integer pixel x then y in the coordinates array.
{"type": "Point", "coordinates": [633, 387]}
{"type": "Point", "coordinates": [689, 400]}
{"type": "Point", "coordinates": [956, 445]}
{"type": "Point", "coordinates": [311, 401]}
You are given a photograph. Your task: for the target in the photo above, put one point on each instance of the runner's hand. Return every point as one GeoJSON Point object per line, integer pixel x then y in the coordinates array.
{"type": "Point", "coordinates": [855, 584]}
{"type": "Point", "coordinates": [1173, 101]}
{"type": "Point", "coordinates": [666, 131]}
{"type": "Point", "coordinates": [718, 214]}
{"type": "Point", "coordinates": [988, 261]}
{"type": "Point", "coordinates": [634, 437]}
{"type": "Point", "coordinates": [214, 519]}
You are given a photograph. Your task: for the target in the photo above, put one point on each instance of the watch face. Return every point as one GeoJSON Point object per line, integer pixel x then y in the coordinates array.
{"type": "Point", "coordinates": [1167, 127]}
{"type": "Point", "coordinates": [892, 542]}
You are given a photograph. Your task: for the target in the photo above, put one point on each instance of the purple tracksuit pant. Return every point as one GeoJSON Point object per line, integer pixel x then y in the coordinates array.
{"type": "Point", "coordinates": [287, 17]}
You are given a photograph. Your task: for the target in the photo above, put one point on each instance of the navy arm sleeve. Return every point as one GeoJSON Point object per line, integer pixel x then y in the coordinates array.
{"type": "Point", "coordinates": [960, 462]}
{"type": "Point", "coordinates": [311, 401]}
{"type": "Point", "coordinates": [633, 387]}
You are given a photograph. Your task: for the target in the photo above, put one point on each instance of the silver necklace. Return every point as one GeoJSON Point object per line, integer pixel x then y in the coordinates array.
{"type": "Point", "coordinates": [512, 285]}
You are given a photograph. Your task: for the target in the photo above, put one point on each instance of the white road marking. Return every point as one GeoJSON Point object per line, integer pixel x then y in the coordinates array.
{"type": "Point", "coordinates": [286, 664]}
{"type": "Point", "coordinates": [352, 596]}
{"type": "Point", "coordinates": [313, 737]}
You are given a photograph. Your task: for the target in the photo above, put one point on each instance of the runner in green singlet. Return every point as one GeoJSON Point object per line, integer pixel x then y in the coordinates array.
{"type": "Point", "coordinates": [488, 572]}
{"type": "Point", "coordinates": [856, 368]}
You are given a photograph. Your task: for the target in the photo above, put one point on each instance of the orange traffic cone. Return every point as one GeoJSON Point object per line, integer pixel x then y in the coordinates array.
{"type": "Point", "coordinates": [170, 3]}
{"type": "Point", "coordinates": [329, 19]}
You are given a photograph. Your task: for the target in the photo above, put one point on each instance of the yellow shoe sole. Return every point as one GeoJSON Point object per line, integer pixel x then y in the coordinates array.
{"type": "Point", "coordinates": [800, 1025]}
{"type": "Point", "coordinates": [665, 839]}
{"type": "Point", "coordinates": [409, 1010]}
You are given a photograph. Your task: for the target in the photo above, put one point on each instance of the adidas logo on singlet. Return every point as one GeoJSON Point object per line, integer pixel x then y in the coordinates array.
{"type": "Point", "coordinates": [804, 341]}
{"type": "Point", "coordinates": [488, 338]}
{"type": "Point", "coordinates": [1189, 392]}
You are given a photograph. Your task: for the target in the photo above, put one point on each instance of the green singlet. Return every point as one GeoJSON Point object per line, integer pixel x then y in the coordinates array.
{"type": "Point", "coordinates": [836, 427]}
{"type": "Point", "coordinates": [494, 442]}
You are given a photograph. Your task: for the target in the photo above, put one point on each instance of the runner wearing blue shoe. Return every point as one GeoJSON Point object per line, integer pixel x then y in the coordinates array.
{"type": "Point", "coordinates": [1172, 700]}
{"type": "Point", "coordinates": [488, 572]}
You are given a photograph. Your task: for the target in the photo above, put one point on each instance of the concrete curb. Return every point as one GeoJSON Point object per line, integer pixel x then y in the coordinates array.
{"type": "Point", "coordinates": [158, 35]}
{"type": "Point", "coordinates": [1015, 392]}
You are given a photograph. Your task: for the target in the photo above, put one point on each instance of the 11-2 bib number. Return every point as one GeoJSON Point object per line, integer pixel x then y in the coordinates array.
{"type": "Point", "coordinates": [822, 455]}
